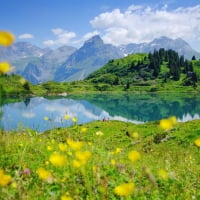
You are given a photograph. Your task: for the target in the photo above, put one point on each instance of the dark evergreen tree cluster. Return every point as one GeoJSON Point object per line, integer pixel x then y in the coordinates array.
{"type": "Point", "coordinates": [176, 64]}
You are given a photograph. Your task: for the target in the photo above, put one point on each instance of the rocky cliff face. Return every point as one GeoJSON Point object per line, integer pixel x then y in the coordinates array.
{"type": "Point", "coordinates": [90, 57]}
{"type": "Point", "coordinates": [179, 45]}
{"type": "Point", "coordinates": [68, 63]}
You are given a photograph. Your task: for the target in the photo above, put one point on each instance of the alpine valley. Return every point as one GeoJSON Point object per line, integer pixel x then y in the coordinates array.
{"type": "Point", "coordinates": [67, 63]}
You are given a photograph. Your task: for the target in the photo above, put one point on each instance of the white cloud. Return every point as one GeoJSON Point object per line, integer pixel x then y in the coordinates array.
{"type": "Point", "coordinates": [26, 36]}
{"type": "Point", "coordinates": [63, 37]}
{"type": "Point", "coordinates": [90, 34]}
{"type": "Point", "coordinates": [142, 24]}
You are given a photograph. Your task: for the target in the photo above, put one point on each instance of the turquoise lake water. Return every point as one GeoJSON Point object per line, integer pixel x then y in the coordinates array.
{"type": "Point", "coordinates": [136, 108]}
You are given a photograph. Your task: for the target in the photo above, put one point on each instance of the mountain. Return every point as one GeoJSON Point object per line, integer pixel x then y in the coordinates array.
{"type": "Point", "coordinates": [20, 54]}
{"type": "Point", "coordinates": [21, 50]}
{"type": "Point", "coordinates": [68, 63]}
{"type": "Point", "coordinates": [44, 68]}
{"type": "Point", "coordinates": [90, 57]}
{"type": "Point", "coordinates": [34, 63]}
{"type": "Point", "coordinates": [179, 45]}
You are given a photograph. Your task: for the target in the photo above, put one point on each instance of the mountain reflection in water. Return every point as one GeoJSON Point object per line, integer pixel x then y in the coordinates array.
{"type": "Point", "coordinates": [125, 107]}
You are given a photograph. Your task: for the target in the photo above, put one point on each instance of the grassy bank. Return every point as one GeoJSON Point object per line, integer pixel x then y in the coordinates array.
{"type": "Point", "coordinates": [102, 160]}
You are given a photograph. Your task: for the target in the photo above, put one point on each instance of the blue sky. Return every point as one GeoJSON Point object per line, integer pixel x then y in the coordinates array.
{"type": "Point", "coordinates": [53, 23]}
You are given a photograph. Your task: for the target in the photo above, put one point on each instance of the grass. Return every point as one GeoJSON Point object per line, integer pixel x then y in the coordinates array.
{"type": "Point", "coordinates": [169, 167]}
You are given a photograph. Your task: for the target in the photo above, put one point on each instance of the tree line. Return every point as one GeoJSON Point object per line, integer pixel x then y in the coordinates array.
{"type": "Point", "coordinates": [176, 64]}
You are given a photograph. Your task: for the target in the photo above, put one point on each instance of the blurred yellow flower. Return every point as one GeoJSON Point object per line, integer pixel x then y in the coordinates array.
{"type": "Point", "coordinates": [21, 145]}
{"type": "Point", "coordinates": [46, 162]}
{"type": "Point", "coordinates": [49, 148]}
{"type": "Point", "coordinates": [74, 119]}
{"type": "Point", "coordinates": [197, 142]}
{"type": "Point", "coordinates": [69, 153]}
{"type": "Point", "coordinates": [44, 174]}
{"type": "Point", "coordinates": [65, 197]}
{"type": "Point", "coordinates": [163, 174]}
{"type": "Point", "coordinates": [75, 145]}
{"type": "Point", "coordinates": [99, 133]}
{"type": "Point", "coordinates": [6, 38]}
{"type": "Point", "coordinates": [62, 146]}
{"type": "Point", "coordinates": [134, 156]}
{"type": "Point", "coordinates": [113, 162]}
{"type": "Point", "coordinates": [83, 129]}
{"type": "Point", "coordinates": [94, 168]}
{"type": "Point", "coordinates": [167, 124]}
{"type": "Point", "coordinates": [4, 178]}
{"type": "Point", "coordinates": [22, 81]}
{"type": "Point", "coordinates": [58, 160]}
{"type": "Point", "coordinates": [135, 135]}
{"type": "Point", "coordinates": [46, 118]}
{"type": "Point", "coordinates": [118, 150]}
{"type": "Point", "coordinates": [5, 67]}
{"type": "Point", "coordinates": [66, 117]}
{"type": "Point", "coordinates": [83, 156]}
{"type": "Point", "coordinates": [76, 163]}
{"type": "Point", "coordinates": [14, 185]}
{"type": "Point", "coordinates": [124, 189]}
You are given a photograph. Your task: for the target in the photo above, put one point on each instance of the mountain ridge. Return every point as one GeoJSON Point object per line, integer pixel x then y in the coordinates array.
{"type": "Point", "coordinates": [67, 63]}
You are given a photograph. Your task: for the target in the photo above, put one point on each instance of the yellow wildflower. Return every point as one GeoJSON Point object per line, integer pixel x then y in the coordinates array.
{"type": "Point", "coordinates": [14, 185]}
{"type": "Point", "coordinates": [69, 153]}
{"type": "Point", "coordinates": [5, 67]}
{"type": "Point", "coordinates": [49, 148]}
{"type": "Point", "coordinates": [46, 118]}
{"type": "Point", "coordinates": [6, 38]}
{"type": "Point", "coordinates": [75, 145]}
{"type": "Point", "coordinates": [124, 189]}
{"type": "Point", "coordinates": [113, 162]}
{"type": "Point", "coordinates": [197, 142]}
{"type": "Point", "coordinates": [134, 156]}
{"type": "Point", "coordinates": [135, 135]}
{"type": "Point", "coordinates": [83, 129]}
{"type": "Point", "coordinates": [76, 163]}
{"type": "Point", "coordinates": [94, 168]}
{"type": "Point", "coordinates": [65, 197]}
{"type": "Point", "coordinates": [83, 156]}
{"type": "Point", "coordinates": [4, 178]}
{"type": "Point", "coordinates": [21, 145]}
{"type": "Point", "coordinates": [74, 119]}
{"type": "Point", "coordinates": [99, 133]}
{"type": "Point", "coordinates": [57, 160]}
{"type": "Point", "coordinates": [163, 174]}
{"type": "Point", "coordinates": [62, 146]}
{"type": "Point", "coordinates": [22, 81]}
{"type": "Point", "coordinates": [66, 117]}
{"type": "Point", "coordinates": [118, 150]}
{"type": "Point", "coordinates": [44, 174]}
{"type": "Point", "coordinates": [167, 124]}
{"type": "Point", "coordinates": [46, 162]}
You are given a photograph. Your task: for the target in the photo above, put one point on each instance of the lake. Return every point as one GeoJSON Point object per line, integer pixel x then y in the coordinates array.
{"type": "Point", "coordinates": [136, 108]}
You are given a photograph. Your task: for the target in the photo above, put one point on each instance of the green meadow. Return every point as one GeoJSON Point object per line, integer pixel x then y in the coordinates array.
{"type": "Point", "coordinates": [102, 160]}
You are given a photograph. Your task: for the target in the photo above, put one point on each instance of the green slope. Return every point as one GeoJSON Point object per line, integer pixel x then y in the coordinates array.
{"type": "Point", "coordinates": [168, 167]}
{"type": "Point", "coordinates": [146, 69]}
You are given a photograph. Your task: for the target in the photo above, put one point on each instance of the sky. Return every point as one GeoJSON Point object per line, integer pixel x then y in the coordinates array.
{"type": "Point", "coordinates": [54, 23]}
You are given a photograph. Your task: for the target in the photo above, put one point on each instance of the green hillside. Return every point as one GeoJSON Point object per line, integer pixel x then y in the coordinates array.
{"type": "Point", "coordinates": [90, 161]}
{"type": "Point", "coordinates": [163, 66]}
{"type": "Point", "coordinates": [14, 85]}
{"type": "Point", "coordinates": [160, 71]}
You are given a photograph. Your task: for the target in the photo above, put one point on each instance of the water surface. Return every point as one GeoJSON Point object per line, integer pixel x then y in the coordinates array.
{"type": "Point", "coordinates": [128, 107]}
